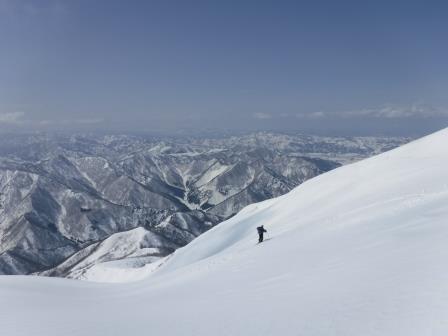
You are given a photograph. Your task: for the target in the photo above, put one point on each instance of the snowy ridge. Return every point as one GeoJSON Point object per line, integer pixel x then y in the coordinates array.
{"type": "Point", "coordinates": [360, 250]}
{"type": "Point", "coordinates": [400, 181]}
{"type": "Point", "coordinates": [124, 256]}
{"type": "Point", "coordinates": [60, 195]}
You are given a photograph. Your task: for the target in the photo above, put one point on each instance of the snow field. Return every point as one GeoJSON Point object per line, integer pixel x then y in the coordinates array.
{"type": "Point", "coordinates": [361, 250]}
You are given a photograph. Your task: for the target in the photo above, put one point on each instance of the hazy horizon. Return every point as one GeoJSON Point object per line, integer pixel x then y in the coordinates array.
{"type": "Point", "coordinates": [330, 68]}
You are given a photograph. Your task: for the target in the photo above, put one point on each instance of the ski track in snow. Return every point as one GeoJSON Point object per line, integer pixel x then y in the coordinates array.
{"type": "Point", "coordinates": [361, 250]}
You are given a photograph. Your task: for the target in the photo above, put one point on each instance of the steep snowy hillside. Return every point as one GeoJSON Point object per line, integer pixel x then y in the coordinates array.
{"type": "Point", "coordinates": [61, 196]}
{"type": "Point", "coordinates": [361, 250]}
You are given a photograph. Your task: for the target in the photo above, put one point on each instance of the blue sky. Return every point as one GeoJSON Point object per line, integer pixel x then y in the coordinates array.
{"type": "Point", "coordinates": [354, 67]}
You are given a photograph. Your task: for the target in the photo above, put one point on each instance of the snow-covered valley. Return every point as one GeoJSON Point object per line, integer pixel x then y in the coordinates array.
{"type": "Point", "coordinates": [70, 202]}
{"type": "Point", "coordinates": [360, 250]}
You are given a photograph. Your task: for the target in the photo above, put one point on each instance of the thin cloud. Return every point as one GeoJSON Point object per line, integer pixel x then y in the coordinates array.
{"type": "Point", "coordinates": [84, 121]}
{"type": "Point", "coordinates": [262, 115]}
{"type": "Point", "coordinates": [311, 115]}
{"type": "Point", "coordinates": [88, 121]}
{"type": "Point", "coordinates": [397, 111]}
{"type": "Point", "coordinates": [388, 111]}
{"type": "Point", "coordinates": [11, 117]}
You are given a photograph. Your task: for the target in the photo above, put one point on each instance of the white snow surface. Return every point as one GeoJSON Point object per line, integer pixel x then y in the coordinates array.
{"type": "Point", "coordinates": [361, 250]}
{"type": "Point", "coordinates": [122, 257]}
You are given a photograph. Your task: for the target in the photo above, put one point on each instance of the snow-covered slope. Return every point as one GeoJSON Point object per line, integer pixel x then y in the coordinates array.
{"type": "Point", "coordinates": [122, 257]}
{"type": "Point", "coordinates": [361, 250]}
{"type": "Point", "coordinates": [62, 194]}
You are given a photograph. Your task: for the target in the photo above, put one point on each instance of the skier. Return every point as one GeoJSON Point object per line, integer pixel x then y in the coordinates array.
{"type": "Point", "coordinates": [260, 230]}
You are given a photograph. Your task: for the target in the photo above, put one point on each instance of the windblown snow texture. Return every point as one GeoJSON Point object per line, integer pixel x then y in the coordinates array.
{"type": "Point", "coordinates": [360, 250]}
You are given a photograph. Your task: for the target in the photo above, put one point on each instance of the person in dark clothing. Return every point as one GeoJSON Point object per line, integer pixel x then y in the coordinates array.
{"type": "Point", "coordinates": [261, 231]}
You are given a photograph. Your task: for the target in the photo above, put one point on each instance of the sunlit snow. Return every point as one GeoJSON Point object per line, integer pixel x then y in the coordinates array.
{"type": "Point", "coordinates": [361, 250]}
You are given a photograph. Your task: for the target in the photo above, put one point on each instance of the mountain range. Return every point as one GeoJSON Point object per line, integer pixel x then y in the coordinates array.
{"type": "Point", "coordinates": [359, 250]}
{"type": "Point", "coordinates": [69, 202]}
